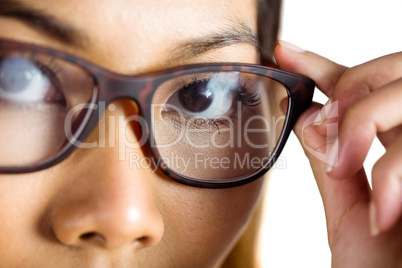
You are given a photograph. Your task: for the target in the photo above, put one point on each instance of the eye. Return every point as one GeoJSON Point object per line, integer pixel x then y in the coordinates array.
{"type": "Point", "coordinates": [196, 97]}
{"type": "Point", "coordinates": [22, 80]}
{"type": "Point", "coordinates": [209, 98]}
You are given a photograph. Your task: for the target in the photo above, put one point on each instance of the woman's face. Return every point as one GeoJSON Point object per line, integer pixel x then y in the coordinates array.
{"type": "Point", "coordinates": [94, 210]}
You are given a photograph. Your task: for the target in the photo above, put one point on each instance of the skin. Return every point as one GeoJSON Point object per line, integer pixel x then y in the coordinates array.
{"type": "Point", "coordinates": [93, 210]}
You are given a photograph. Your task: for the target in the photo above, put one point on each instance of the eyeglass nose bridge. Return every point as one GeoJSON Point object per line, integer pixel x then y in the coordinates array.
{"type": "Point", "coordinates": [114, 87]}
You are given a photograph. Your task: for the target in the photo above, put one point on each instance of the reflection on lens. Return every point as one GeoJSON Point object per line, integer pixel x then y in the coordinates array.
{"type": "Point", "coordinates": [226, 125]}
{"type": "Point", "coordinates": [36, 93]}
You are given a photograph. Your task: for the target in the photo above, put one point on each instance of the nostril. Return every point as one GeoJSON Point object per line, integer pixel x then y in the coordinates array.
{"type": "Point", "coordinates": [145, 240]}
{"type": "Point", "coordinates": [142, 239]}
{"type": "Point", "coordinates": [87, 236]}
{"type": "Point", "coordinates": [91, 236]}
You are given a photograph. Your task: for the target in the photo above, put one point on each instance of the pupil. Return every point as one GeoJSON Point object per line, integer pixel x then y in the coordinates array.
{"type": "Point", "coordinates": [16, 74]}
{"type": "Point", "coordinates": [196, 97]}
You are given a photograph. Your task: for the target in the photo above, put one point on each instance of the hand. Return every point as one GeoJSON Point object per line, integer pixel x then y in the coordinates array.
{"type": "Point", "coordinates": [364, 226]}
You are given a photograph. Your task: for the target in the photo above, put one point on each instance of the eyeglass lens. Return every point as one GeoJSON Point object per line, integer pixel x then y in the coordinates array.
{"type": "Point", "coordinates": [209, 125]}
{"type": "Point", "coordinates": [37, 92]}
{"type": "Point", "coordinates": [216, 126]}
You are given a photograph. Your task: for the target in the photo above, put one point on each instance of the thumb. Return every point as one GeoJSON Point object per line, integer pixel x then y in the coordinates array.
{"type": "Point", "coordinates": [338, 196]}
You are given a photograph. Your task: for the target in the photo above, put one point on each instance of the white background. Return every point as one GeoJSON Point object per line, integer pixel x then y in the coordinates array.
{"type": "Point", "coordinates": [349, 32]}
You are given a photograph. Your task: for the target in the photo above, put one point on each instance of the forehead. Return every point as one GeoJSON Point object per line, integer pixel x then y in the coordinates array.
{"type": "Point", "coordinates": [151, 17]}
{"type": "Point", "coordinates": [141, 31]}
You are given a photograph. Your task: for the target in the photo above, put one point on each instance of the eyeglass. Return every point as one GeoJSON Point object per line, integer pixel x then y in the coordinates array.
{"type": "Point", "coordinates": [214, 125]}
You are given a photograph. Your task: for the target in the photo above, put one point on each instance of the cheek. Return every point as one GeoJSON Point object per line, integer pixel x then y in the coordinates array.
{"type": "Point", "coordinates": [23, 202]}
{"type": "Point", "coordinates": [203, 224]}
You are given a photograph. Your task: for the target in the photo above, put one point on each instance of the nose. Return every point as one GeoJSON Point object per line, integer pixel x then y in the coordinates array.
{"type": "Point", "coordinates": [107, 203]}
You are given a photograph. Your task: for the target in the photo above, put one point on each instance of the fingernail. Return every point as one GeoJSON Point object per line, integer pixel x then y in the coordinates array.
{"type": "Point", "coordinates": [374, 231]}
{"type": "Point", "coordinates": [318, 119]}
{"type": "Point", "coordinates": [291, 47]}
{"type": "Point", "coordinates": [323, 115]}
{"type": "Point", "coordinates": [333, 156]}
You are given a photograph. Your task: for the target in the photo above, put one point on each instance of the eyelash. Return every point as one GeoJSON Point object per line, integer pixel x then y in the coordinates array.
{"type": "Point", "coordinates": [211, 122]}
{"type": "Point", "coordinates": [49, 68]}
{"type": "Point", "coordinates": [247, 98]}
{"type": "Point", "coordinates": [52, 70]}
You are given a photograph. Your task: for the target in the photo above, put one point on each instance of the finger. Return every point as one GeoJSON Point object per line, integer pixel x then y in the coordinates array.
{"type": "Point", "coordinates": [378, 112]}
{"type": "Point", "coordinates": [338, 195]}
{"type": "Point", "coordinates": [387, 138]}
{"type": "Point", "coordinates": [324, 72]}
{"type": "Point", "coordinates": [387, 192]}
{"type": "Point", "coordinates": [365, 78]}
{"type": "Point", "coordinates": [359, 81]}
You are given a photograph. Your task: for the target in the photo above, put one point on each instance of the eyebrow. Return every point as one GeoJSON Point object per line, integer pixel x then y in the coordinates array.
{"type": "Point", "coordinates": [233, 33]}
{"type": "Point", "coordinates": [43, 23]}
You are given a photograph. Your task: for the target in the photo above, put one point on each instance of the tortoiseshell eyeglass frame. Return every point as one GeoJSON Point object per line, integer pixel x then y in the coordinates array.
{"type": "Point", "coordinates": [110, 86]}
